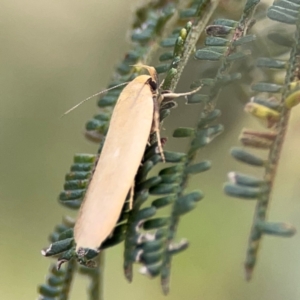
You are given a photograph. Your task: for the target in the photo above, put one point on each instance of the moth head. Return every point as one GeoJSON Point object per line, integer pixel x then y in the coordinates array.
{"type": "Point", "coordinates": [152, 72]}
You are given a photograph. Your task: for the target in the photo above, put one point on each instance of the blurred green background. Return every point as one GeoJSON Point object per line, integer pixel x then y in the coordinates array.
{"type": "Point", "coordinates": [56, 53]}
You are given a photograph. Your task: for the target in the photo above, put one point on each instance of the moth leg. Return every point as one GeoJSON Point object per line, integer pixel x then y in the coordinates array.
{"type": "Point", "coordinates": [176, 95]}
{"type": "Point", "coordinates": [155, 128]}
{"type": "Point", "coordinates": [131, 195]}
{"type": "Point", "coordinates": [161, 84]}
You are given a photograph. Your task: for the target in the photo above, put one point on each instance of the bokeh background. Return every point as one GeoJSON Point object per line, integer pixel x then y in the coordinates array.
{"type": "Point", "coordinates": [54, 54]}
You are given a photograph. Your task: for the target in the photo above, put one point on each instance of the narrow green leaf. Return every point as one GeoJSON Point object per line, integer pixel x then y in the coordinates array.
{"type": "Point", "coordinates": [95, 124]}
{"type": "Point", "coordinates": [246, 180]}
{"type": "Point", "coordinates": [142, 37]}
{"type": "Point", "coordinates": [188, 13]}
{"type": "Point", "coordinates": [162, 68]}
{"type": "Point", "coordinates": [197, 98]}
{"type": "Point", "coordinates": [102, 117]}
{"type": "Point", "coordinates": [178, 247]}
{"type": "Point", "coordinates": [238, 55]}
{"type": "Point", "coordinates": [66, 234]}
{"type": "Point", "coordinates": [163, 114]}
{"type": "Point", "coordinates": [217, 49]}
{"type": "Point", "coordinates": [77, 175]}
{"type": "Point", "coordinates": [183, 207]}
{"type": "Point", "coordinates": [107, 100]}
{"type": "Point", "coordinates": [226, 22]}
{"type": "Point", "coordinates": [82, 167]}
{"type": "Point", "coordinates": [155, 223]}
{"type": "Point", "coordinates": [183, 132]}
{"type": "Point", "coordinates": [151, 270]}
{"type": "Point", "coordinates": [278, 229]}
{"type": "Point", "coordinates": [153, 181]}
{"type": "Point", "coordinates": [152, 246]}
{"type": "Point", "coordinates": [288, 4]}
{"type": "Point", "coordinates": [72, 204]}
{"type": "Point", "coordinates": [199, 167]}
{"type": "Point", "coordinates": [187, 202]}
{"type": "Point", "coordinates": [166, 56]}
{"type": "Point", "coordinates": [271, 102]}
{"type": "Point", "coordinates": [85, 158]}
{"type": "Point", "coordinates": [55, 281]}
{"type": "Point", "coordinates": [281, 37]}
{"type": "Point", "coordinates": [216, 41]}
{"type": "Point", "coordinates": [143, 171]}
{"type": "Point", "coordinates": [218, 30]}
{"type": "Point", "coordinates": [174, 157]}
{"type": "Point", "coordinates": [228, 78]}
{"type": "Point", "coordinates": [72, 194]}
{"type": "Point", "coordinates": [266, 62]}
{"type": "Point", "coordinates": [241, 191]}
{"type": "Point", "coordinates": [168, 42]}
{"type": "Point", "coordinates": [246, 157]}
{"type": "Point", "coordinates": [140, 198]}
{"type": "Point", "coordinates": [171, 178]}
{"type": "Point", "coordinates": [145, 213]}
{"type": "Point", "coordinates": [243, 40]}
{"type": "Point", "coordinates": [206, 119]}
{"type": "Point", "coordinates": [250, 5]}
{"type": "Point", "coordinates": [266, 87]}
{"type": "Point", "coordinates": [163, 189]}
{"type": "Point", "coordinates": [162, 202]}
{"type": "Point", "coordinates": [58, 247]}
{"type": "Point", "coordinates": [172, 170]}
{"type": "Point", "coordinates": [281, 15]}
{"type": "Point", "coordinates": [76, 184]}
{"type": "Point", "coordinates": [204, 54]}
{"type": "Point", "coordinates": [113, 240]}
{"type": "Point", "coordinates": [151, 258]}
{"type": "Point", "coordinates": [49, 291]}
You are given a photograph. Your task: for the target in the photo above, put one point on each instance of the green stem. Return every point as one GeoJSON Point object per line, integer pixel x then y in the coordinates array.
{"type": "Point", "coordinates": [192, 39]}
{"type": "Point", "coordinates": [272, 163]}
{"type": "Point", "coordinates": [70, 270]}
{"type": "Point", "coordinates": [96, 287]}
{"type": "Point", "coordinates": [190, 43]}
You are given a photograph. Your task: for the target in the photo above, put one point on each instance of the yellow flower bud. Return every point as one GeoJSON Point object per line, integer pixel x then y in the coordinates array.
{"type": "Point", "coordinates": [293, 97]}
{"type": "Point", "coordinates": [268, 115]}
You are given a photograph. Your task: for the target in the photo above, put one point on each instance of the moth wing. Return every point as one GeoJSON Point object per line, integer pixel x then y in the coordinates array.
{"type": "Point", "coordinates": [119, 161]}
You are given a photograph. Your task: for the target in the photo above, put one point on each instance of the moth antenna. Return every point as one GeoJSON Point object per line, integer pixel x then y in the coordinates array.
{"type": "Point", "coordinates": [88, 98]}
{"type": "Point", "coordinates": [176, 95]}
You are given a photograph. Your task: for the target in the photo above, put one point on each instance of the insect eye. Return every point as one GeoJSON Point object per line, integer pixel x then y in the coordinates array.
{"type": "Point", "coordinates": [153, 84]}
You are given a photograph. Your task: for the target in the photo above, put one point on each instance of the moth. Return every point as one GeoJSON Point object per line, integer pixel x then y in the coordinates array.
{"type": "Point", "coordinates": [135, 116]}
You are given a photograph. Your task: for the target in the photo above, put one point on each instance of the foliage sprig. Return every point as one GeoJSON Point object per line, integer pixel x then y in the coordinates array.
{"type": "Point", "coordinates": [274, 112]}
